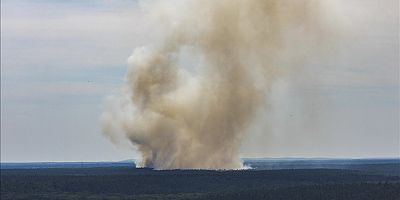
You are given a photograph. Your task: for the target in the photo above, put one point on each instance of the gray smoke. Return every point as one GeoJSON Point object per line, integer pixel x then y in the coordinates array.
{"type": "Point", "coordinates": [180, 119]}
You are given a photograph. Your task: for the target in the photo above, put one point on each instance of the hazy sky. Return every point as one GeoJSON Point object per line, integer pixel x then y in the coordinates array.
{"type": "Point", "coordinates": [61, 59]}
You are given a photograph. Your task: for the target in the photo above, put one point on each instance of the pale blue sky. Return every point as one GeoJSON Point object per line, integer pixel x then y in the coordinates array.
{"type": "Point", "coordinates": [61, 59]}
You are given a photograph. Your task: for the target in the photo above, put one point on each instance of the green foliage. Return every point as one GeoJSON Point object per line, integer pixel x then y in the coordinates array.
{"type": "Point", "coordinates": [147, 184]}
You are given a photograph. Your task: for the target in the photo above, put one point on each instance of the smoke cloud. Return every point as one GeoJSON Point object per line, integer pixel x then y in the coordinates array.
{"type": "Point", "coordinates": [184, 115]}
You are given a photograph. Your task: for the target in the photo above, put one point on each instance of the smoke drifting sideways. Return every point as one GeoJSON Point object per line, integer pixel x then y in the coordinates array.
{"type": "Point", "coordinates": [180, 119]}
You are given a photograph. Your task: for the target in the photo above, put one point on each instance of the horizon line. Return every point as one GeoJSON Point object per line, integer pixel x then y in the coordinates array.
{"type": "Point", "coordinates": [242, 159]}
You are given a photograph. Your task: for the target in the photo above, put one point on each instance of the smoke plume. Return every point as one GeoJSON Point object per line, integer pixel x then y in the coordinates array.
{"type": "Point", "coordinates": [183, 115]}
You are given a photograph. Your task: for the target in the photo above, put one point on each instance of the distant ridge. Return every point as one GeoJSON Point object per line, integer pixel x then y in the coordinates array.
{"type": "Point", "coordinates": [46, 165]}
{"type": "Point", "coordinates": [253, 163]}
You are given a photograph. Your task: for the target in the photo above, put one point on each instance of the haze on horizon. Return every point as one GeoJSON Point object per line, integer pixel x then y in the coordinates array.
{"type": "Point", "coordinates": [61, 60]}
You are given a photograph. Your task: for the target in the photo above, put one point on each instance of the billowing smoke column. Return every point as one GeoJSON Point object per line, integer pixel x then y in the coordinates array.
{"type": "Point", "coordinates": [180, 119]}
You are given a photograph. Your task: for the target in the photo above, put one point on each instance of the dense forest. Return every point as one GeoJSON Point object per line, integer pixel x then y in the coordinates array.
{"type": "Point", "coordinates": [136, 183]}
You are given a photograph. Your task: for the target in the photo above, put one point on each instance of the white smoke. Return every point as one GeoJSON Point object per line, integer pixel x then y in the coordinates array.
{"type": "Point", "coordinates": [180, 119]}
